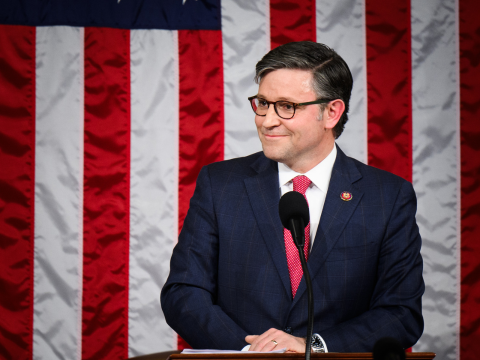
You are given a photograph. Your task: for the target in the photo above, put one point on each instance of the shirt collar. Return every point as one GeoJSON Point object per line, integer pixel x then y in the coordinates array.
{"type": "Point", "coordinates": [319, 175]}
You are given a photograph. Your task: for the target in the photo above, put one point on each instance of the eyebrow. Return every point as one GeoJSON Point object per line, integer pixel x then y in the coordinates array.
{"type": "Point", "coordinates": [279, 99]}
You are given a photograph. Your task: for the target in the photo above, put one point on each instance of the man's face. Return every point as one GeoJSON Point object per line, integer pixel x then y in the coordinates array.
{"type": "Point", "coordinates": [300, 142]}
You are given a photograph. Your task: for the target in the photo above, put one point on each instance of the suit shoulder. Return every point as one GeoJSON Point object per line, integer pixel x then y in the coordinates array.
{"type": "Point", "coordinates": [239, 166]}
{"type": "Point", "coordinates": [370, 173]}
{"type": "Point", "coordinates": [379, 186]}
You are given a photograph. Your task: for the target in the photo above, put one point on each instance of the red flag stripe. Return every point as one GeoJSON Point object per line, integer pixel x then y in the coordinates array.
{"type": "Point", "coordinates": [200, 109]}
{"type": "Point", "coordinates": [389, 86]}
{"type": "Point", "coordinates": [106, 194]}
{"type": "Point", "coordinates": [470, 177]}
{"type": "Point", "coordinates": [201, 112]}
{"type": "Point", "coordinates": [17, 186]}
{"type": "Point", "coordinates": [292, 20]}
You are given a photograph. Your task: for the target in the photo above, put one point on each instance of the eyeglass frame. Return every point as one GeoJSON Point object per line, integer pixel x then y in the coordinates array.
{"type": "Point", "coordinates": [318, 101]}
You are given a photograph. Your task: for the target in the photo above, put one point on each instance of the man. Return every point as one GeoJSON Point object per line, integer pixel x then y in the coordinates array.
{"type": "Point", "coordinates": [234, 279]}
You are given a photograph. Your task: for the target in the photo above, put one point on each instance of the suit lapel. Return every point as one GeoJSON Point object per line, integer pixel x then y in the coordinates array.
{"type": "Point", "coordinates": [264, 195]}
{"type": "Point", "coordinates": [335, 214]}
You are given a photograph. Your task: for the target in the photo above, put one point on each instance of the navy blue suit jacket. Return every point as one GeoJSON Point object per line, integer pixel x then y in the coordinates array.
{"type": "Point", "coordinates": [229, 276]}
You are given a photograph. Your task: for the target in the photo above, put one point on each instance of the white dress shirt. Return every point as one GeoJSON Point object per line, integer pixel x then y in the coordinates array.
{"type": "Point", "coordinates": [316, 192]}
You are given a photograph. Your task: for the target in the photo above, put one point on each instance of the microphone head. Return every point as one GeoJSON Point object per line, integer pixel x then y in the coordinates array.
{"type": "Point", "coordinates": [293, 205]}
{"type": "Point", "coordinates": [388, 349]}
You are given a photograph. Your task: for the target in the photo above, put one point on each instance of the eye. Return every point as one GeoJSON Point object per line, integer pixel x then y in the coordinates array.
{"type": "Point", "coordinates": [262, 103]}
{"type": "Point", "coordinates": [286, 106]}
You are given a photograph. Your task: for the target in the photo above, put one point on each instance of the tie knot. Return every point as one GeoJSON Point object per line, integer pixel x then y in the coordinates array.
{"type": "Point", "coordinates": [301, 184]}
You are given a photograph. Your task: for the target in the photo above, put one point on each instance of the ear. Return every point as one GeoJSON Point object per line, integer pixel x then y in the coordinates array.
{"type": "Point", "coordinates": [332, 113]}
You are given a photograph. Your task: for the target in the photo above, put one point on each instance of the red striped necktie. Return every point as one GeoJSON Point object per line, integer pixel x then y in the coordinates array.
{"type": "Point", "coordinates": [300, 184]}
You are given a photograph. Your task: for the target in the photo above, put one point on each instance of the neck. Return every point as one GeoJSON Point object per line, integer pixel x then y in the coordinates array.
{"type": "Point", "coordinates": [303, 167]}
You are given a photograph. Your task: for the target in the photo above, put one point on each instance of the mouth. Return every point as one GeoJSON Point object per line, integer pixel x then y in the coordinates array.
{"type": "Point", "coordinates": [274, 136]}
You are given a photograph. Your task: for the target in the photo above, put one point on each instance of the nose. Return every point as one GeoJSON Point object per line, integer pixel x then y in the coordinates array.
{"type": "Point", "coordinates": [271, 119]}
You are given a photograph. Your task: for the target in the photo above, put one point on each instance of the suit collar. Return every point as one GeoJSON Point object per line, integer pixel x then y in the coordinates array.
{"type": "Point", "coordinates": [264, 195]}
{"type": "Point", "coordinates": [262, 163]}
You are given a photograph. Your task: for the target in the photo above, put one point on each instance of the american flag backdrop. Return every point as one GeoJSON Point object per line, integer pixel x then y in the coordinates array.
{"type": "Point", "coordinates": [109, 109]}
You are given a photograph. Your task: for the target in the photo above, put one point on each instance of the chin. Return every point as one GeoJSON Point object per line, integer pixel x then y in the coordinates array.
{"type": "Point", "coordinates": [274, 154]}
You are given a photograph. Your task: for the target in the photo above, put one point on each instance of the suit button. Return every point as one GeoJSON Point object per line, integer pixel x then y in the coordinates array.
{"type": "Point", "coordinates": [288, 330]}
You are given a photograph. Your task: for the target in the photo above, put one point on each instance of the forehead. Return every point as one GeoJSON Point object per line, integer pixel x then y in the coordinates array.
{"type": "Point", "coordinates": [287, 83]}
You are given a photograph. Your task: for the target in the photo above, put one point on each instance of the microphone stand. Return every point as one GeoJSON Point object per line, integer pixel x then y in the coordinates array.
{"type": "Point", "coordinates": [299, 240]}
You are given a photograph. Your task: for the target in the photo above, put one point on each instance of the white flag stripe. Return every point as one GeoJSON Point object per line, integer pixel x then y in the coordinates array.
{"type": "Point", "coordinates": [153, 184]}
{"type": "Point", "coordinates": [58, 193]}
{"type": "Point", "coordinates": [344, 31]}
{"type": "Point", "coordinates": [435, 106]}
{"type": "Point", "coordinates": [244, 34]}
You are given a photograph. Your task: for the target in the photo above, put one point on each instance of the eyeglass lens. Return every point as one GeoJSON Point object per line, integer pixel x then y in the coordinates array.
{"type": "Point", "coordinates": [284, 109]}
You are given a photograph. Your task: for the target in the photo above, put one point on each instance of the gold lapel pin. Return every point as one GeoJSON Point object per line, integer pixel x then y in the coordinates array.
{"type": "Point", "coordinates": [346, 196]}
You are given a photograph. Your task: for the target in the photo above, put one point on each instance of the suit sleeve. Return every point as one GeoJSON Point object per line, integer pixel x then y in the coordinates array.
{"type": "Point", "coordinates": [188, 298]}
{"type": "Point", "coordinates": [395, 306]}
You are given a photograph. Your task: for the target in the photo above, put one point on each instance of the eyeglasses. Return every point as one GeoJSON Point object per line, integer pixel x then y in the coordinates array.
{"type": "Point", "coordinates": [284, 109]}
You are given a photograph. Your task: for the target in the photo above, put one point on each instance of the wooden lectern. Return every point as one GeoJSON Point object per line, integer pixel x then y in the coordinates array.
{"type": "Point", "coordinates": [266, 356]}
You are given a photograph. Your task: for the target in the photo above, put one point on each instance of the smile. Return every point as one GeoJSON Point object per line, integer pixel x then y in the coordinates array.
{"type": "Point", "coordinates": [273, 136]}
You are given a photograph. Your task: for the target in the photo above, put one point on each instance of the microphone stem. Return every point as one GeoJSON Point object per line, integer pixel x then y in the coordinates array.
{"type": "Point", "coordinates": [308, 282]}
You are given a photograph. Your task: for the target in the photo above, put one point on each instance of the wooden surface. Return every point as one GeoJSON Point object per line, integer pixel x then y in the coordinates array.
{"type": "Point", "coordinates": [294, 356]}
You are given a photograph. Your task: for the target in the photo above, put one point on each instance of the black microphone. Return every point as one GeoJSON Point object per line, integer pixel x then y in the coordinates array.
{"type": "Point", "coordinates": [388, 349]}
{"type": "Point", "coordinates": [294, 214]}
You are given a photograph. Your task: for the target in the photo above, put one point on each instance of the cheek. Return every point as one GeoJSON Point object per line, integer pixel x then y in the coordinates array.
{"type": "Point", "coordinates": [316, 135]}
{"type": "Point", "coordinates": [311, 134]}
{"type": "Point", "coordinates": [258, 121]}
